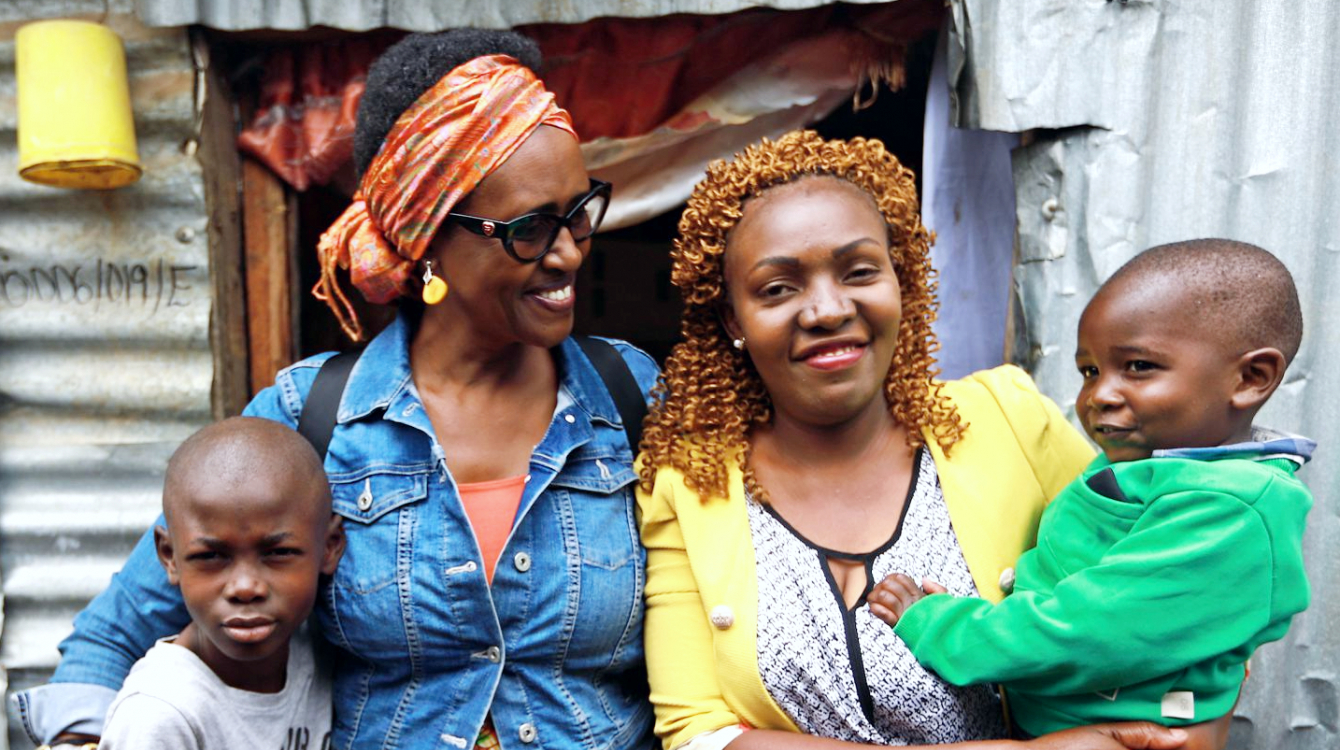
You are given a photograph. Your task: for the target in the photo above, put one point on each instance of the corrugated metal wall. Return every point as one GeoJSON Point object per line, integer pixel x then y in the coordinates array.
{"type": "Point", "coordinates": [1180, 120]}
{"type": "Point", "coordinates": [105, 360]}
{"type": "Point", "coordinates": [428, 15]}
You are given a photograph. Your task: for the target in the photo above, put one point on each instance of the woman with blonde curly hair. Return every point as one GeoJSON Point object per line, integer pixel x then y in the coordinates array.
{"type": "Point", "coordinates": [802, 449]}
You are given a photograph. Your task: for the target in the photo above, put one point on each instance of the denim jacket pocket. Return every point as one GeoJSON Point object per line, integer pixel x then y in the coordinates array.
{"type": "Point", "coordinates": [380, 507]}
{"type": "Point", "coordinates": [375, 505]}
{"type": "Point", "coordinates": [602, 474]}
{"type": "Point", "coordinates": [368, 495]}
{"type": "Point", "coordinates": [600, 495]}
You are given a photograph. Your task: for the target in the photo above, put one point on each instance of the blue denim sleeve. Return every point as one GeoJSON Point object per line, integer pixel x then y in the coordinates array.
{"type": "Point", "coordinates": [49, 710]}
{"type": "Point", "coordinates": [120, 625]}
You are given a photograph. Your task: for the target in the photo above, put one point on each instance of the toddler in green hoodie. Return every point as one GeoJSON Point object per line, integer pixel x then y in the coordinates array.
{"type": "Point", "coordinates": [1178, 551]}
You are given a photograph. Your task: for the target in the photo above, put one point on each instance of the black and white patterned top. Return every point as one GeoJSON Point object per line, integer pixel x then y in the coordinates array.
{"type": "Point", "coordinates": [842, 673]}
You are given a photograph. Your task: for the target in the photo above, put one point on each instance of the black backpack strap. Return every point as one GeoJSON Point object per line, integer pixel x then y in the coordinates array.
{"type": "Point", "coordinates": [621, 384]}
{"type": "Point", "coordinates": [319, 411]}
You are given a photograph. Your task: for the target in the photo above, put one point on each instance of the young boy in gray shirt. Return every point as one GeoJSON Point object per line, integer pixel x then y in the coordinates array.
{"type": "Point", "coordinates": [249, 533]}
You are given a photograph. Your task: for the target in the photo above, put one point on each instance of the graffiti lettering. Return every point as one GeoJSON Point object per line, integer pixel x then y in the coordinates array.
{"type": "Point", "coordinates": [177, 285]}
{"type": "Point", "coordinates": [153, 284]}
{"type": "Point", "coordinates": [10, 283]}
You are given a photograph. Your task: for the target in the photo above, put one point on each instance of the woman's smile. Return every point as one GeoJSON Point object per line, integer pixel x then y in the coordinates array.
{"type": "Point", "coordinates": [555, 298]}
{"type": "Point", "coordinates": [832, 355]}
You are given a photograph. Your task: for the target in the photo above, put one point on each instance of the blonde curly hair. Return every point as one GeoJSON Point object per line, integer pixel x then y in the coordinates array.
{"type": "Point", "coordinates": [709, 394]}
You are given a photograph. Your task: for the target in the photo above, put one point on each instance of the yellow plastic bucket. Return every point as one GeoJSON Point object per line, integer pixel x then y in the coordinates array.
{"type": "Point", "coordinates": [76, 129]}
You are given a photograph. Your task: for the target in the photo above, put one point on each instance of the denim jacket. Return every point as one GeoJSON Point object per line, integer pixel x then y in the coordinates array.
{"type": "Point", "coordinates": [425, 647]}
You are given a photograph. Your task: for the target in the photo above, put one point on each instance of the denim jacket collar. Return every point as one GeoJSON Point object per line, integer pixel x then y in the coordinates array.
{"type": "Point", "coordinates": [382, 378]}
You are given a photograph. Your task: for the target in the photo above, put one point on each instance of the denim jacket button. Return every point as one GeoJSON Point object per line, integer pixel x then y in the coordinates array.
{"type": "Point", "coordinates": [527, 733]}
{"type": "Point", "coordinates": [365, 497]}
{"type": "Point", "coordinates": [493, 654]}
{"type": "Point", "coordinates": [521, 561]}
{"type": "Point", "coordinates": [569, 418]}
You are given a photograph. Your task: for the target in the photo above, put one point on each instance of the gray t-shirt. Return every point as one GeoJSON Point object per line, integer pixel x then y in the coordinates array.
{"type": "Point", "coordinates": [173, 701]}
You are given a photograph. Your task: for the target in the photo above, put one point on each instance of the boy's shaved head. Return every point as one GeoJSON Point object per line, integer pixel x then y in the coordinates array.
{"type": "Point", "coordinates": [1236, 290]}
{"type": "Point", "coordinates": [249, 535]}
{"type": "Point", "coordinates": [227, 452]}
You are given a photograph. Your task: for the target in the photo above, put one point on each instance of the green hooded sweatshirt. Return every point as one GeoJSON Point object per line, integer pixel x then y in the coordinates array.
{"type": "Point", "coordinates": [1151, 584]}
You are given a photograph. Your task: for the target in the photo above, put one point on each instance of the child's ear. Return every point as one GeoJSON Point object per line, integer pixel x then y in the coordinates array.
{"type": "Point", "coordinates": [1260, 372]}
{"type": "Point", "coordinates": [335, 541]}
{"type": "Point", "coordinates": [163, 545]}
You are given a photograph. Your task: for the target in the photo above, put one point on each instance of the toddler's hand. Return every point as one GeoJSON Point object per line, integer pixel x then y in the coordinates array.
{"type": "Point", "coordinates": [892, 596]}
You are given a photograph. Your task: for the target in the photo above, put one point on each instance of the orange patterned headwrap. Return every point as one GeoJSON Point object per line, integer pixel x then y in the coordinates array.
{"type": "Point", "coordinates": [440, 149]}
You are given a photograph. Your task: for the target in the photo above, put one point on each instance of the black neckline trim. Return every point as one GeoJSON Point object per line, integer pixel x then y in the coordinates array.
{"type": "Point", "coordinates": [865, 557]}
{"type": "Point", "coordinates": [853, 637]}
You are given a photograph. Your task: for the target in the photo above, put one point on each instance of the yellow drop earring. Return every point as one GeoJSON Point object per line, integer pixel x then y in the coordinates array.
{"type": "Point", "coordinates": [434, 288]}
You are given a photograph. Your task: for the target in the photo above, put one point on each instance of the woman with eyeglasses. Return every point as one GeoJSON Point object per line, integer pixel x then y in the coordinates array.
{"type": "Point", "coordinates": [492, 584]}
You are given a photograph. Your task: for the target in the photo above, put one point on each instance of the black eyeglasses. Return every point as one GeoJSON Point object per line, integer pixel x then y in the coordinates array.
{"type": "Point", "coordinates": [527, 238]}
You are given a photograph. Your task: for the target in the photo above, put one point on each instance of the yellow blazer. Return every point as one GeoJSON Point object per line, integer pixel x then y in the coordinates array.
{"type": "Point", "coordinates": [1017, 453]}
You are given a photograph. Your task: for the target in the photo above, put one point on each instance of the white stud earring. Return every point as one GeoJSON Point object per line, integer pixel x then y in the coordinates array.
{"type": "Point", "coordinates": [738, 343]}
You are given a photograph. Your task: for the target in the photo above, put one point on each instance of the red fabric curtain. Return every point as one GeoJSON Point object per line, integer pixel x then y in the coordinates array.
{"type": "Point", "coordinates": [304, 125]}
{"type": "Point", "coordinates": [619, 77]}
